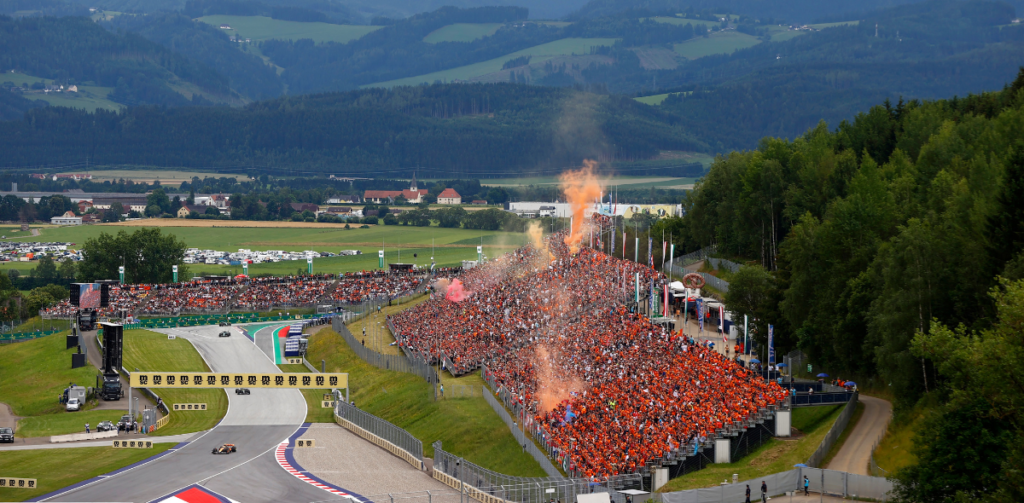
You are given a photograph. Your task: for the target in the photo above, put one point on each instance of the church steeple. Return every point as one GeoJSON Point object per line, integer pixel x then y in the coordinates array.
{"type": "Point", "coordinates": [413, 186]}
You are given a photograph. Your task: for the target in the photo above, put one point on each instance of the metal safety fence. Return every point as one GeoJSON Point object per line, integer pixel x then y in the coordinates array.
{"type": "Point", "coordinates": [876, 470]}
{"type": "Point", "coordinates": [526, 489]}
{"type": "Point", "coordinates": [381, 428]}
{"type": "Point", "coordinates": [828, 482]}
{"type": "Point", "coordinates": [697, 256]}
{"type": "Point", "coordinates": [398, 363]}
{"type": "Point", "coordinates": [520, 436]}
{"type": "Point", "coordinates": [442, 496]}
{"type": "Point", "coordinates": [834, 433]}
{"type": "Point", "coordinates": [718, 263]}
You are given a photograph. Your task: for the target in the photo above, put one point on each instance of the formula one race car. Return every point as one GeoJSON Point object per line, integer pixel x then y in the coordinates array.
{"type": "Point", "coordinates": [241, 391]}
{"type": "Point", "coordinates": [224, 324]}
{"type": "Point", "coordinates": [224, 334]}
{"type": "Point", "coordinates": [225, 449]}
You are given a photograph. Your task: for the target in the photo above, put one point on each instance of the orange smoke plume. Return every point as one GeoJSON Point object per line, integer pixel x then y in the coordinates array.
{"type": "Point", "coordinates": [581, 189]}
{"type": "Point", "coordinates": [457, 292]}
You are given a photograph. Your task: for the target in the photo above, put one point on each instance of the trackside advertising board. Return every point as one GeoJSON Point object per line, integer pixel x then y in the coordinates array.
{"type": "Point", "coordinates": [219, 380]}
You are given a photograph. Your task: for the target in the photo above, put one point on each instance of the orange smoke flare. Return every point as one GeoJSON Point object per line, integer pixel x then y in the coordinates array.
{"type": "Point", "coordinates": [581, 189]}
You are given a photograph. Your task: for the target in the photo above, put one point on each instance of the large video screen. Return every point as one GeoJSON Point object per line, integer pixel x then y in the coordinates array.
{"type": "Point", "coordinates": [89, 295]}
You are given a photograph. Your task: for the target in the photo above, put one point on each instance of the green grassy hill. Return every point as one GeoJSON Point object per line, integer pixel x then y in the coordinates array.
{"type": "Point", "coordinates": [259, 28]}
{"type": "Point", "coordinates": [538, 54]}
{"type": "Point", "coordinates": [462, 32]}
{"type": "Point", "coordinates": [88, 98]}
{"type": "Point", "coordinates": [715, 43]}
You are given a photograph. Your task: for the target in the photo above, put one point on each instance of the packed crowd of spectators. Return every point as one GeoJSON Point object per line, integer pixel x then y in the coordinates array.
{"type": "Point", "coordinates": [600, 384]}
{"type": "Point", "coordinates": [247, 294]}
{"type": "Point", "coordinates": [357, 287]}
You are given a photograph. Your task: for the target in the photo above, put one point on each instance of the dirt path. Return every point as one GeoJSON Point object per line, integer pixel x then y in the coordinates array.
{"type": "Point", "coordinates": [7, 418]}
{"type": "Point", "coordinates": [35, 232]}
{"type": "Point", "coordinates": [855, 455]}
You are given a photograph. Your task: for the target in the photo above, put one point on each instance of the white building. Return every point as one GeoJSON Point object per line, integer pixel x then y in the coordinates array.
{"type": "Point", "coordinates": [67, 218]}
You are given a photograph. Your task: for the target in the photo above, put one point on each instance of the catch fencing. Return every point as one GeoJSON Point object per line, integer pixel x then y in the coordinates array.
{"type": "Point", "coordinates": [383, 429]}
{"type": "Point", "coordinates": [801, 400]}
{"type": "Point", "coordinates": [876, 470]}
{"type": "Point", "coordinates": [521, 439]}
{"type": "Point", "coordinates": [718, 263]}
{"type": "Point", "coordinates": [834, 433]}
{"type": "Point", "coordinates": [697, 256]}
{"type": "Point", "coordinates": [486, 485]}
{"type": "Point", "coordinates": [829, 482]}
{"type": "Point", "coordinates": [398, 363]}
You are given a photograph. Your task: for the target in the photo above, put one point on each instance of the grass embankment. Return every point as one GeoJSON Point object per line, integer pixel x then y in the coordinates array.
{"type": "Point", "coordinates": [62, 424]}
{"type": "Point", "coordinates": [54, 469]}
{"type": "Point", "coordinates": [466, 426]}
{"type": "Point", "coordinates": [34, 373]}
{"type": "Point", "coordinates": [772, 457]}
{"type": "Point", "coordinates": [381, 338]}
{"type": "Point", "coordinates": [895, 451]}
{"type": "Point", "coordinates": [315, 413]}
{"type": "Point", "coordinates": [151, 351]}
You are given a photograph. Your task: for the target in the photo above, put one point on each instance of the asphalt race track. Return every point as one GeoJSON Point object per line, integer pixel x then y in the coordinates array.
{"type": "Point", "coordinates": [256, 423]}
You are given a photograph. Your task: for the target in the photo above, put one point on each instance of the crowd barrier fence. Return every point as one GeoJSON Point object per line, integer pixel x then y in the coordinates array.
{"type": "Point", "coordinates": [388, 436]}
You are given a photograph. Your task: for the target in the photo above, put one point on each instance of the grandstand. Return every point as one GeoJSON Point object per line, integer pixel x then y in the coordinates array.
{"type": "Point", "coordinates": [604, 389]}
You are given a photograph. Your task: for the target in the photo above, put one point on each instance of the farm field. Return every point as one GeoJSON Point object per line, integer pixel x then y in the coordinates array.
{"type": "Point", "coordinates": [259, 28]}
{"type": "Point", "coordinates": [452, 246]}
{"type": "Point", "coordinates": [89, 98]}
{"type": "Point", "coordinates": [681, 21]}
{"type": "Point", "coordinates": [462, 32]}
{"type": "Point", "coordinates": [822, 26]}
{"type": "Point", "coordinates": [655, 99]}
{"type": "Point", "coordinates": [716, 43]}
{"type": "Point", "coordinates": [172, 179]}
{"type": "Point", "coordinates": [538, 53]}
{"type": "Point", "coordinates": [631, 182]}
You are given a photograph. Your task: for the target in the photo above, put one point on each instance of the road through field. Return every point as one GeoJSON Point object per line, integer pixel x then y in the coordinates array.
{"type": "Point", "coordinates": [855, 454]}
{"type": "Point", "coordinates": [256, 423]}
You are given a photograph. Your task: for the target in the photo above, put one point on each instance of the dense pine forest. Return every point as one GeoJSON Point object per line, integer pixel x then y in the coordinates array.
{"type": "Point", "coordinates": [893, 247]}
{"type": "Point", "coordinates": [447, 130]}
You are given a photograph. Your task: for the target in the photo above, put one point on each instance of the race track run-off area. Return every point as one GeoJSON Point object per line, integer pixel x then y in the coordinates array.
{"type": "Point", "coordinates": [257, 424]}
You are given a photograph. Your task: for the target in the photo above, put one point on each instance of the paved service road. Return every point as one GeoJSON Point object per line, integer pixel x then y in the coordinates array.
{"type": "Point", "coordinates": [256, 423]}
{"type": "Point", "coordinates": [855, 455]}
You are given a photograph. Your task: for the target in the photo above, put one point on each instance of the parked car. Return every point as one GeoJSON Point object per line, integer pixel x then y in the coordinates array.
{"type": "Point", "coordinates": [7, 435]}
{"type": "Point", "coordinates": [224, 334]}
{"type": "Point", "coordinates": [106, 426]}
{"type": "Point", "coordinates": [73, 405]}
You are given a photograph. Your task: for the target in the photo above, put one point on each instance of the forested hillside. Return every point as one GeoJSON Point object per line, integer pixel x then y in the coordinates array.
{"type": "Point", "coordinates": [867, 242]}
{"type": "Point", "coordinates": [869, 232]}
{"type": "Point", "coordinates": [246, 73]}
{"type": "Point", "coordinates": [75, 50]}
{"type": "Point", "coordinates": [446, 130]}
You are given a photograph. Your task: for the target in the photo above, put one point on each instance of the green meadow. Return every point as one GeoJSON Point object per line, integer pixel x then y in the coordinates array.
{"type": "Point", "coordinates": [259, 28]}
{"type": "Point", "coordinates": [462, 32]}
{"type": "Point", "coordinates": [538, 53]}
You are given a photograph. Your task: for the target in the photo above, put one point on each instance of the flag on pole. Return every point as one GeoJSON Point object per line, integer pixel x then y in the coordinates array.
{"type": "Point", "coordinates": [771, 345]}
{"type": "Point", "coordinates": [623, 244]}
{"type": "Point", "coordinates": [671, 257]}
{"type": "Point", "coordinates": [700, 316]}
{"type": "Point", "coordinates": [665, 305]}
{"type": "Point", "coordinates": [650, 252]}
{"type": "Point", "coordinates": [650, 307]}
{"type": "Point", "coordinates": [664, 251]}
{"type": "Point", "coordinates": [721, 325]}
